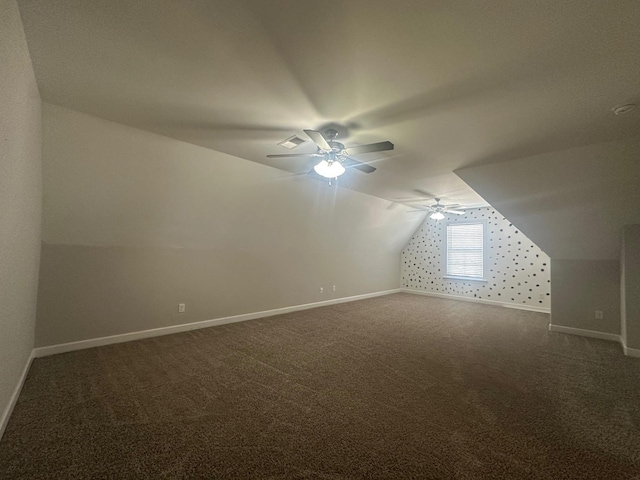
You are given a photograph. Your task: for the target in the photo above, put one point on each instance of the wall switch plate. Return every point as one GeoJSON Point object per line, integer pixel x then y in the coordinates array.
{"type": "Point", "coordinates": [599, 315]}
{"type": "Point", "coordinates": [181, 308]}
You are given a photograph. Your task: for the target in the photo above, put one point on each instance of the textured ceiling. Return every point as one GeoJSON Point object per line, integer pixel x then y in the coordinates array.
{"type": "Point", "coordinates": [451, 83]}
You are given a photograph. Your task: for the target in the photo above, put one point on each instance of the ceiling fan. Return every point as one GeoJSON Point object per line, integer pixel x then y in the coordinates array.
{"type": "Point", "coordinates": [334, 156]}
{"type": "Point", "coordinates": [438, 210]}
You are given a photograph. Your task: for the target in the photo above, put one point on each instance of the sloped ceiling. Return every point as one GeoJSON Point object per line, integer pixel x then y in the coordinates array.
{"type": "Point", "coordinates": [452, 84]}
{"type": "Point", "coordinates": [572, 203]}
{"type": "Point", "coordinates": [109, 185]}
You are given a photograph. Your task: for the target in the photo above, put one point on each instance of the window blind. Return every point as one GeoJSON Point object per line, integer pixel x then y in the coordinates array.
{"type": "Point", "coordinates": [465, 250]}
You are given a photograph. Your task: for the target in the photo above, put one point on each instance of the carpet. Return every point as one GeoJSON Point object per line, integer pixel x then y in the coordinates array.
{"type": "Point", "coordinates": [401, 386]}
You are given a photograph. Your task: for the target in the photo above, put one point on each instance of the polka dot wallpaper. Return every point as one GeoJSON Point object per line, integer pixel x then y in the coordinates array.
{"type": "Point", "coordinates": [517, 270]}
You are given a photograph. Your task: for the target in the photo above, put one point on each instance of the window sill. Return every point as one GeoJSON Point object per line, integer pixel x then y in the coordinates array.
{"type": "Point", "coordinates": [466, 279]}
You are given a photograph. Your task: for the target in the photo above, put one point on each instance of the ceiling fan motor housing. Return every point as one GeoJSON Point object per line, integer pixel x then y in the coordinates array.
{"type": "Point", "coordinates": [336, 146]}
{"type": "Point", "coordinates": [332, 151]}
{"type": "Point", "coordinates": [331, 134]}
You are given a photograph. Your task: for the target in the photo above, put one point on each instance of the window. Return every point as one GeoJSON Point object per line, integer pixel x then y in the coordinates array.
{"type": "Point", "coordinates": [465, 250]}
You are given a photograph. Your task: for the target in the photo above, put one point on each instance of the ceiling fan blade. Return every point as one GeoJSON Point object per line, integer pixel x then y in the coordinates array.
{"type": "Point", "coordinates": [318, 139]}
{"type": "Point", "coordinates": [372, 147]}
{"type": "Point", "coordinates": [353, 163]}
{"type": "Point", "coordinates": [424, 193]}
{"type": "Point", "coordinates": [408, 199]}
{"type": "Point", "coordinates": [285, 155]}
{"type": "Point", "coordinates": [457, 212]}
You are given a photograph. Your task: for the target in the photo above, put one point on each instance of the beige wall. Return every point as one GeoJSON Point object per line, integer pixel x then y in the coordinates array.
{"type": "Point", "coordinates": [135, 223]}
{"type": "Point", "coordinates": [20, 201]}
{"type": "Point", "coordinates": [579, 288]}
{"type": "Point", "coordinates": [630, 288]}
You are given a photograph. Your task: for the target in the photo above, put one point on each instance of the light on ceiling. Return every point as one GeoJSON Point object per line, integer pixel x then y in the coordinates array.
{"type": "Point", "coordinates": [331, 169]}
{"type": "Point", "coordinates": [436, 216]}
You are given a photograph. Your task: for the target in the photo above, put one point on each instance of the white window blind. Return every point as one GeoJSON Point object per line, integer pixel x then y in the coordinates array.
{"type": "Point", "coordinates": [465, 250]}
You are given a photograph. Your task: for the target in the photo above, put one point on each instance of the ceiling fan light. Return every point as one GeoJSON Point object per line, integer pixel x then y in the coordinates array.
{"type": "Point", "coordinates": [436, 216]}
{"type": "Point", "coordinates": [329, 169]}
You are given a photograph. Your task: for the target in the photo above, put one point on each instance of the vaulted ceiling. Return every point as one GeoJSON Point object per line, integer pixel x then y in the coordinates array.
{"type": "Point", "coordinates": [452, 84]}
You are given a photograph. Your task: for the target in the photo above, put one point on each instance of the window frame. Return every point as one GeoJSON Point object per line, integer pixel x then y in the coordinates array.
{"type": "Point", "coordinates": [485, 250]}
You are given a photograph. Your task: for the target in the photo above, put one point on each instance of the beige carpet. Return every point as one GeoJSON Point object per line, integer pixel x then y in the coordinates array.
{"type": "Point", "coordinates": [401, 386]}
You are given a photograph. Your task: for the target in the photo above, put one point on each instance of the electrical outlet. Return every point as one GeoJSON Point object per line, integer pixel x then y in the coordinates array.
{"type": "Point", "coordinates": [599, 315]}
{"type": "Point", "coordinates": [181, 308]}
{"type": "Point", "coordinates": [334, 288]}
{"type": "Point", "coordinates": [321, 290]}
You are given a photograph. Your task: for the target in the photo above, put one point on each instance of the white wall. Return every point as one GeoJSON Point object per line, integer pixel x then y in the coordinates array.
{"type": "Point", "coordinates": [20, 202]}
{"type": "Point", "coordinates": [517, 270]}
{"type": "Point", "coordinates": [135, 223]}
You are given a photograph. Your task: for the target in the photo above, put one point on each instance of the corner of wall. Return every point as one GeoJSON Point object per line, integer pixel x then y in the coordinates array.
{"type": "Point", "coordinates": [630, 287]}
{"type": "Point", "coordinates": [21, 200]}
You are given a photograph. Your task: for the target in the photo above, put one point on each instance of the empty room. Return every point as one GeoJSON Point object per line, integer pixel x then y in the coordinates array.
{"type": "Point", "coordinates": [294, 239]}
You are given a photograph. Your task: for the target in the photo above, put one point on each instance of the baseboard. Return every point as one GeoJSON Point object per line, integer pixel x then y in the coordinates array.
{"type": "Point", "coordinates": [478, 300]}
{"type": "Point", "coordinates": [4, 420]}
{"type": "Point", "coordinates": [628, 351]}
{"type": "Point", "coordinates": [127, 337]}
{"type": "Point", "coordinates": [185, 327]}
{"type": "Point", "coordinates": [585, 333]}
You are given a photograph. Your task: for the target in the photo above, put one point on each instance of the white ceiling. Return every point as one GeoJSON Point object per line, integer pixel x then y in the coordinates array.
{"type": "Point", "coordinates": [451, 83]}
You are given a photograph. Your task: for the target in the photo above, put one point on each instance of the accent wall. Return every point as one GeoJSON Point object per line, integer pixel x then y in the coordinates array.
{"type": "Point", "coordinates": [518, 271]}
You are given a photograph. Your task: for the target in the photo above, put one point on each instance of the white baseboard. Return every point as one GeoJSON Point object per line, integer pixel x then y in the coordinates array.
{"type": "Point", "coordinates": [585, 333]}
{"type": "Point", "coordinates": [4, 420]}
{"type": "Point", "coordinates": [127, 337]}
{"type": "Point", "coordinates": [478, 300]}
{"type": "Point", "coordinates": [628, 351]}
{"type": "Point", "coordinates": [156, 332]}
